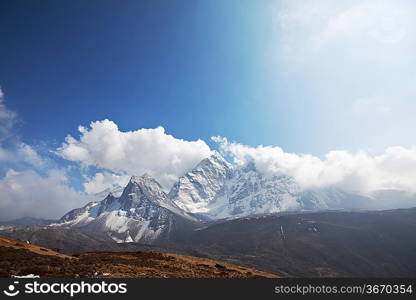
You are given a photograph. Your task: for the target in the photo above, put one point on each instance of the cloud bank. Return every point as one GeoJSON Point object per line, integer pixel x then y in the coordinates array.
{"type": "Point", "coordinates": [15, 150]}
{"type": "Point", "coordinates": [26, 193]}
{"type": "Point", "coordinates": [104, 180]}
{"type": "Point", "coordinates": [357, 172]}
{"type": "Point", "coordinates": [151, 151]}
{"type": "Point", "coordinates": [8, 119]}
{"type": "Point", "coordinates": [121, 154]}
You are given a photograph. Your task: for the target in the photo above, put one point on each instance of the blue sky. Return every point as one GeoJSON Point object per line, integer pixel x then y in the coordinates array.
{"type": "Point", "coordinates": [310, 77]}
{"type": "Point", "coordinates": [198, 68]}
{"type": "Point", "coordinates": [190, 66]}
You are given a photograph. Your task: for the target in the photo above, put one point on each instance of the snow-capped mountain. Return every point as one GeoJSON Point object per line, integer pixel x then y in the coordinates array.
{"type": "Point", "coordinates": [332, 198]}
{"type": "Point", "coordinates": [195, 191]}
{"type": "Point", "coordinates": [214, 189]}
{"type": "Point", "coordinates": [116, 191]}
{"type": "Point", "coordinates": [143, 213]}
{"type": "Point", "coordinates": [248, 192]}
{"type": "Point", "coordinates": [217, 189]}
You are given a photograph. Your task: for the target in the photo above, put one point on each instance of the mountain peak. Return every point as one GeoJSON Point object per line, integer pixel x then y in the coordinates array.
{"type": "Point", "coordinates": [140, 179]}
{"type": "Point", "coordinates": [196, 189]}
{"type": "Point", "coordinates": [110, 196]}
{"type": "Point", "coordinates": [143, 184]}
{"type": "Point", "coordinates": [216, 160]}
{"type": "Point", "coordinates": [217, 156]}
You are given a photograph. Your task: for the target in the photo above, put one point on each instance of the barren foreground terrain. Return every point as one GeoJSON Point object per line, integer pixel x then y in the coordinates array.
{"type": "Point", "coordinates": [20, 258]}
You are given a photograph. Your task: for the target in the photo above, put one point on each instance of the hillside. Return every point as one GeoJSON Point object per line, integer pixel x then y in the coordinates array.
{"type": "Point", "coordinates": [20, 258]}
{"type": "Point", "coordinates": [318, 244]}
{"type": "Point", "coordinates": [322, 244]}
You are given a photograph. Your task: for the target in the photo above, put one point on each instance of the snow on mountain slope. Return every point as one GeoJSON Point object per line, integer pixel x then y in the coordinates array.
{"type": "Point", "coordinates": [198, 188]}
{"type": "Point", "coordinates": [115, 191]}
{"type": "Point", "coordinates": [214, 189]}
{"type": "Point", "coordinates": [332, 198]}
{"type": "Point", "coordinates": [248, 192]}
{"type": "Point", "coordinates": [143, 213]}
{"type": "Point", "coordinates": [217, 189]}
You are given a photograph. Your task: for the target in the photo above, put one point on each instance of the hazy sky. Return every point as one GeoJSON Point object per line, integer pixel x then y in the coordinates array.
{"type": "Point", "coordinates": [327, 87]}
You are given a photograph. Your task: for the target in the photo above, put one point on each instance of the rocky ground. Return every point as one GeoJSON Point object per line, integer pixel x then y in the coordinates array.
{"type": "Point", "coordinates": [20, 258]}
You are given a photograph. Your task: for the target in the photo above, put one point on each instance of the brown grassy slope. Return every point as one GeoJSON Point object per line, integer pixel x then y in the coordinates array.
{"type": "Point", "coordinates": [18, 258]}
{"type": "Point", "coordinates": [16, 244]}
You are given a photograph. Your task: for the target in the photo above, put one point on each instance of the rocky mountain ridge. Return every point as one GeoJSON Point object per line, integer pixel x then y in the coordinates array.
{"type": "Point", "coordinates": [213, 190]}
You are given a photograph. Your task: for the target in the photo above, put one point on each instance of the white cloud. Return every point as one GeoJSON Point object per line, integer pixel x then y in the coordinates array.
{"type": "Point", "coordinates": [345, 68]}
{"type": "Point", "coordinates": [16, 150]}
{"type": "Point", "coordinates": [20, 152]}
{"type": "Point", "coordinates": [26, 193]}
{"type": "Point", "coordinates": [105, 180]}
{"type": "Point", "coordinates": [134, 152]}
{"type": "Point", "coordinates": [394, 169]}
{"type": "Point", "coordinates": [28, 154]}
{"type": "Point", "coordinates": [7, 119]}
{"type": "Point", "coordinates": [366, 29]}
{"type": "Point", "coordinates": [383, 21]}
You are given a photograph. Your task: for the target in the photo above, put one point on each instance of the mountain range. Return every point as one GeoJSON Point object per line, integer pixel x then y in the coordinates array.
{"type": "Point", "coordinates": [235, 213]}
{"type": "Point", "coordinates": [308, 244]}
{"type": "Point", "coordinates": [213, 190]}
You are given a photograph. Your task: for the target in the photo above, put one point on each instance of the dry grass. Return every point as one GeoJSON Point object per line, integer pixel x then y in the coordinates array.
{"type": "Point", "coordinates": [16, 244]}
{"type": "Point", "coordinates": [19, 258]}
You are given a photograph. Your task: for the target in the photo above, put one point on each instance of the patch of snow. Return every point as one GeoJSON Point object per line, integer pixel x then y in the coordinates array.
{"type": "Point", "coordinates": [26, 276]}
{"type": "Point", "coordinates": [282, 232]}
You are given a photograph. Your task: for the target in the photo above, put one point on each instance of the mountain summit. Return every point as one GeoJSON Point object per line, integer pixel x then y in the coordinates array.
{"type": "Point", "coordinates": [196, 190]}
{"type": "Point", "coordinates": [219, 190]}
{"type": "Point", "coordinates": [214, 189]}
{"type": "Point", "coordinates": [143, 213]}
